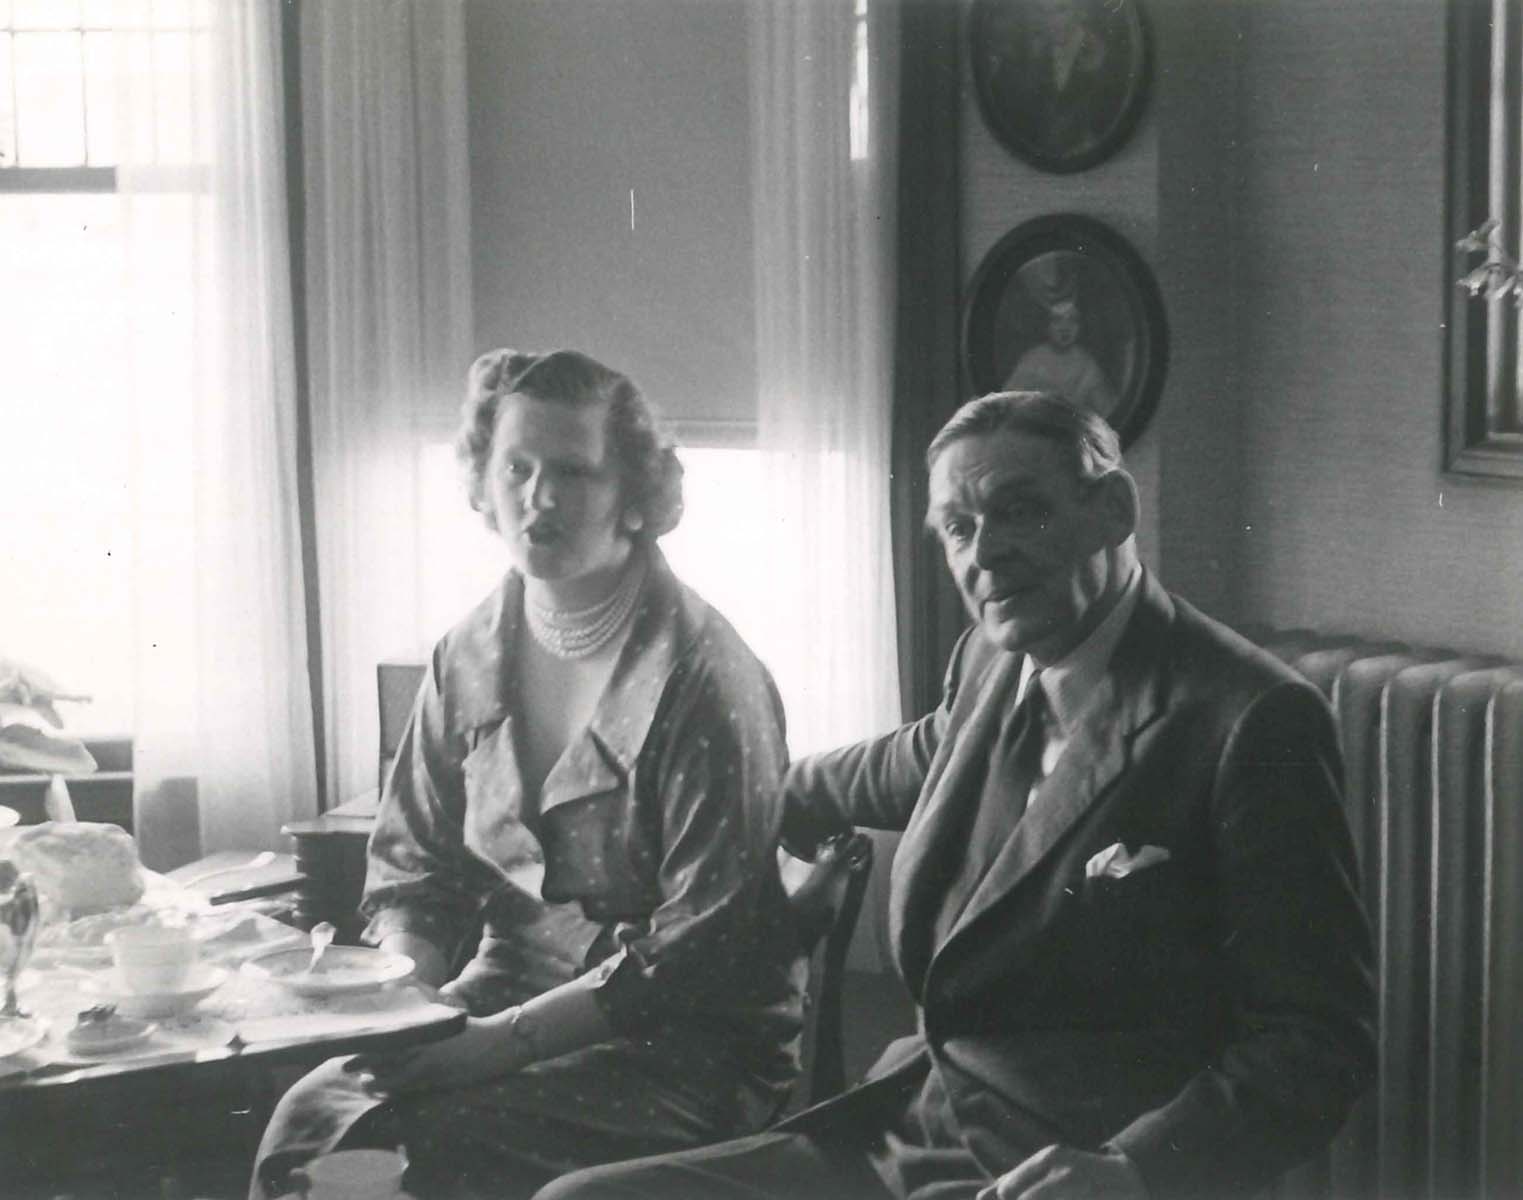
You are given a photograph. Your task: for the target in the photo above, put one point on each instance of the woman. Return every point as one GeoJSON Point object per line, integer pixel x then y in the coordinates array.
{"type": "Point", "coordinates": [591, 775]}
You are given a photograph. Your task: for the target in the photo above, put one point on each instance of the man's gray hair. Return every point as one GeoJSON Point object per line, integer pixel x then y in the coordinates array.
{"type": "Point", "coordinates": [1086, 436]}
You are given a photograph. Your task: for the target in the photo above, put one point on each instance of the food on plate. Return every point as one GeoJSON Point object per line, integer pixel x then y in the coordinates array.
{"type": "Point", "coordinates": [101, 1027]}
{"type": "Point", "coordinates": [81, 866]}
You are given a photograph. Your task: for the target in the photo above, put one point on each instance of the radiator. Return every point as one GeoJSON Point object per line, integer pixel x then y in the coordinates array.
{"type": "Point", "coordinates": [1433, 747]}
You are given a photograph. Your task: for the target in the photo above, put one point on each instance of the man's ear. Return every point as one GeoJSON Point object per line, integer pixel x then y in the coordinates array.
{"type": "Point", "coordinates": [1118, 506]}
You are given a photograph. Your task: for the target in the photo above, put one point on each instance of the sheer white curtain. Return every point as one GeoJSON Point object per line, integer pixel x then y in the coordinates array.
{"type": "Point", "coordinates": [824, 128]}
{"type": "Point", "coordinates": [223, 719]}
{"type": "Point", "coordinates": [389, 304]}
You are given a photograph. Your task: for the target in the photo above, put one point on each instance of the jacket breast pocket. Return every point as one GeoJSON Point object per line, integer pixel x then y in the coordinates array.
{"type": "Point", "coordinates": [1149, 926]}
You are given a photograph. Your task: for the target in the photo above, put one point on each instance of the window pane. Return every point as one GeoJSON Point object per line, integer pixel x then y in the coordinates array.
{"type": "Point", "coordinates": [100, 99]}
{"type": "Point", "coordinates": [63, 466]}
{"type": "Point", "coordinates": [45, 14]}
{"type": "Point", "coordinates": [465, 558]}
{"type": "Point", "coordinates": [100, 14]}
{"type": "Point", "coordinates": [128, 14]}
{"type": "Point", "coordinates": [171, 14]}
{"type": "Point", "coordinates": [5, 14]}
{"type": "Point", "coordinates": [7, 113]}
{"type": "Point", "coordinates": [174, 101]}
{"type": "Point", "coordinates": [49, 100]}
{"type": "Point", "coordinates": [95, 462]}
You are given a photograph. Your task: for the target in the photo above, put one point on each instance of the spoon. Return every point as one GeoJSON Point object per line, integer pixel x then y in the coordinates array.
{"type": "Point", "coordinates": [263, 859]}
{"type": "Point", "coordinates": [322, 938]}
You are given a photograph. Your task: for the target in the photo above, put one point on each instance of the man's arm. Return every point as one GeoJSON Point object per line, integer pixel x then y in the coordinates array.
{"type": "Point", "coordinates": [1297, 948]}
{"type": "Point", "coordinates": [876, 782]}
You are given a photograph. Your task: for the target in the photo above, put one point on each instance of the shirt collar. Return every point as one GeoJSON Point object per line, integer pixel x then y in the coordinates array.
{"type": "Point", "coordinates": [1069, 682]}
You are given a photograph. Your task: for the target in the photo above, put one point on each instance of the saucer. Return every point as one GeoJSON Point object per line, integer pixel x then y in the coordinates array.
{"type": "Point", "coordinates": [342, 969]}
{"type": "Point", "coordinates": [203, 980]}
{"type": "Point", "coordinates": [20, 1033]}
{"type": "Point", "coordinates": [107, 1037]}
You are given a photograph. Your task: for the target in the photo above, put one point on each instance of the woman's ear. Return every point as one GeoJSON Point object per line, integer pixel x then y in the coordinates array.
{"type": "Point", "coordinates": [632, 521]}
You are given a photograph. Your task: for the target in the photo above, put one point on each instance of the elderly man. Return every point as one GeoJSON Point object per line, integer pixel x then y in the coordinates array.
{"type": "Point", "coordinates": [1124, 903]}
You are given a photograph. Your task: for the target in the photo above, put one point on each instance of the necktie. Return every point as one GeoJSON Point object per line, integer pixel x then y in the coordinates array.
{"type": "Point", "coordinates": [1015, 767]}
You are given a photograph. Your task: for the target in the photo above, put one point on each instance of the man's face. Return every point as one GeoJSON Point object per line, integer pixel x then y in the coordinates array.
{"type": "Point", "coordinates": [1024, 539]}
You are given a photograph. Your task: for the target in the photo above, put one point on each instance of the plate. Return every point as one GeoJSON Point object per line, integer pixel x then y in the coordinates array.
{"type": "Point", "coordinates": [341, 969]}
{"type": "Point", "coordinates": [18, 1034]}
{"type": "Point", "coordinates": [119, 1033]}
{"type": "Point", "coordinates": [204, 979]}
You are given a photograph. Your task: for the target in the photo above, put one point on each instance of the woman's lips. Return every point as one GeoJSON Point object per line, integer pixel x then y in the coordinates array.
{"type": "Point", "coordinates": [542, 534]}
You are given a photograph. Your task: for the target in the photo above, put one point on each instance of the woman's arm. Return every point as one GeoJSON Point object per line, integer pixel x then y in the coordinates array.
{"type": "Point", "coordinates": [556, 1022]}
{"type": "Point", "coordinates": [417, 896]}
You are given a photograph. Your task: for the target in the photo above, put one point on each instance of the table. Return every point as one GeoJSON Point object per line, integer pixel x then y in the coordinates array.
{"type": "Point", "coordinates": [247, 1020]}
{"type": "Point", "coordinates": [150, 1109]}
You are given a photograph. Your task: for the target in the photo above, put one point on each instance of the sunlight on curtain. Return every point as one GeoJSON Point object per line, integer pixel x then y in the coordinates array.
{"type": "Point", "coordinates": [823, 127]}
{"type": "Point", "coordinates": [389, 299]}
{"type": "Point", "coordinates": [223, 718]}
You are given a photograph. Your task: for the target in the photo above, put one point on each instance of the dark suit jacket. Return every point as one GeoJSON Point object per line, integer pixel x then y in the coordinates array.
{"type": "Point", "coordinates": [1211, 1015]}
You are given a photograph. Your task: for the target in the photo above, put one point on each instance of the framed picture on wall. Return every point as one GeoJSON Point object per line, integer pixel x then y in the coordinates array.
{"type": "Point", "coordinates": [1061, 83]}
{"type": "Point", "coordinates": [1064, 303]}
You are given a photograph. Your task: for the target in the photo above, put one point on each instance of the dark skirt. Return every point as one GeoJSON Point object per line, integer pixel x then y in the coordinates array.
{"type": "Point", "coordinates": [674, 1090]}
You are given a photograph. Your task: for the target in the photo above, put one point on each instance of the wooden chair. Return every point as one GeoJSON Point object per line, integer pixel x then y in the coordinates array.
{"type": "Point", "coordinates": [827, 898]}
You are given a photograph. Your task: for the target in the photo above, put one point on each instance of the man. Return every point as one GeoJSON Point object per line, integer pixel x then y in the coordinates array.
{"type": "Point", "coordinates": [1124, 902]}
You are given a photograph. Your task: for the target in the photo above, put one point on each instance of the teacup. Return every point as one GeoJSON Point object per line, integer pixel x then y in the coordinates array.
{"type": "Point", "coordinates": [152, 958]}
{"type": "Point", "coordinates": [352, 1175]}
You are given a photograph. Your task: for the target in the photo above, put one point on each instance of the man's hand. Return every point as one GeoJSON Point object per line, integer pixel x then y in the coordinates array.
{"type": "Point", "coordinates": [483, 1050]}
{"type": "Point", "coordinates": [1062, 1173]}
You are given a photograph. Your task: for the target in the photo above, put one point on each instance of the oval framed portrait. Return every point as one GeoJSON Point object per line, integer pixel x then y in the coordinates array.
{"type": "Point", "coordinates": [1064, 303]}
{"type": "Point", "coordinates": [1061, 83]}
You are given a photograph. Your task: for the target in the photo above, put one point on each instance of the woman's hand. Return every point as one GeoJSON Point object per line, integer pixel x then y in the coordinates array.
{"type": "Point", "coordinates": [484, 1049]}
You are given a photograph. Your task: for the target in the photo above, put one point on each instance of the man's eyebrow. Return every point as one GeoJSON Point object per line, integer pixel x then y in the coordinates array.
{"type": "Point", "coordinates": [937, 514]}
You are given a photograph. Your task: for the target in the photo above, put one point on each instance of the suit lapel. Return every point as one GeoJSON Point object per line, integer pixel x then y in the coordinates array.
{"type": "Point", "coordinates": [927, 858]}
{"type": "Point", "coordinates": [1128, 699]}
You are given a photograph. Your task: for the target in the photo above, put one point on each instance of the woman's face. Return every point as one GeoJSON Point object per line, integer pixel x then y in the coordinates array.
{"type": "Point", "coordinates": [1063, 325]}
{"type": "Point", "coordinates": [554, 490]}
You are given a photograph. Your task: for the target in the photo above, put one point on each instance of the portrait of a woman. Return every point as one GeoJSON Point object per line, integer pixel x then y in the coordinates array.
{"type": "Point", "coordinates": [584, 811]}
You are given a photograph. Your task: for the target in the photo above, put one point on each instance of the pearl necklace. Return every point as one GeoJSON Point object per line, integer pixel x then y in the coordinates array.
{"type": "Point", "coordinates": [578, 634]}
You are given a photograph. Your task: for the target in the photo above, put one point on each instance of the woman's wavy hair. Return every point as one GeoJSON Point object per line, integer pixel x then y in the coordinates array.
{"type": "Point", "coordinates": [649, 470]}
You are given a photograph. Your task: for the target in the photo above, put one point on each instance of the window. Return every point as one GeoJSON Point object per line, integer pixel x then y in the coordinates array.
{"type": "Point", "coordinates": [92, 486]}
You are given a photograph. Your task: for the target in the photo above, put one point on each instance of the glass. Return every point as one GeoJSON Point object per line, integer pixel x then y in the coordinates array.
{"type": "Point", "coordinates": [18, 930]}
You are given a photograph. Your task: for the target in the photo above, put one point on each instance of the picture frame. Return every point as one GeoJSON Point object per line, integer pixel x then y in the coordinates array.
{"type": "Point", "coordinates": [1064, 303]}
{"type": "Point", "coordinates": [1483, 306]}
{"type": "Point", "coordinates": [1060, 83]}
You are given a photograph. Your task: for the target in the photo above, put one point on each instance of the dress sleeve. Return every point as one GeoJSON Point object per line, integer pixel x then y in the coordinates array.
{"type": "Point", "coordinates": [714, 760]}
{"type": "Point", "coordinates": [417, 875]}
{"type": "Point", "coordinates": [1298, 950]}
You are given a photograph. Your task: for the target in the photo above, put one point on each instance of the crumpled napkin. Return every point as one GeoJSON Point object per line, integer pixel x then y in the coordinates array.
{"type": "Point", "coordinates": [1117, 862]}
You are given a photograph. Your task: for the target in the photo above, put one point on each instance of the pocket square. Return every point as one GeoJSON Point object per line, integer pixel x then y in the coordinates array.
{"type": "Point", "coordinates": [1117, 862]}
